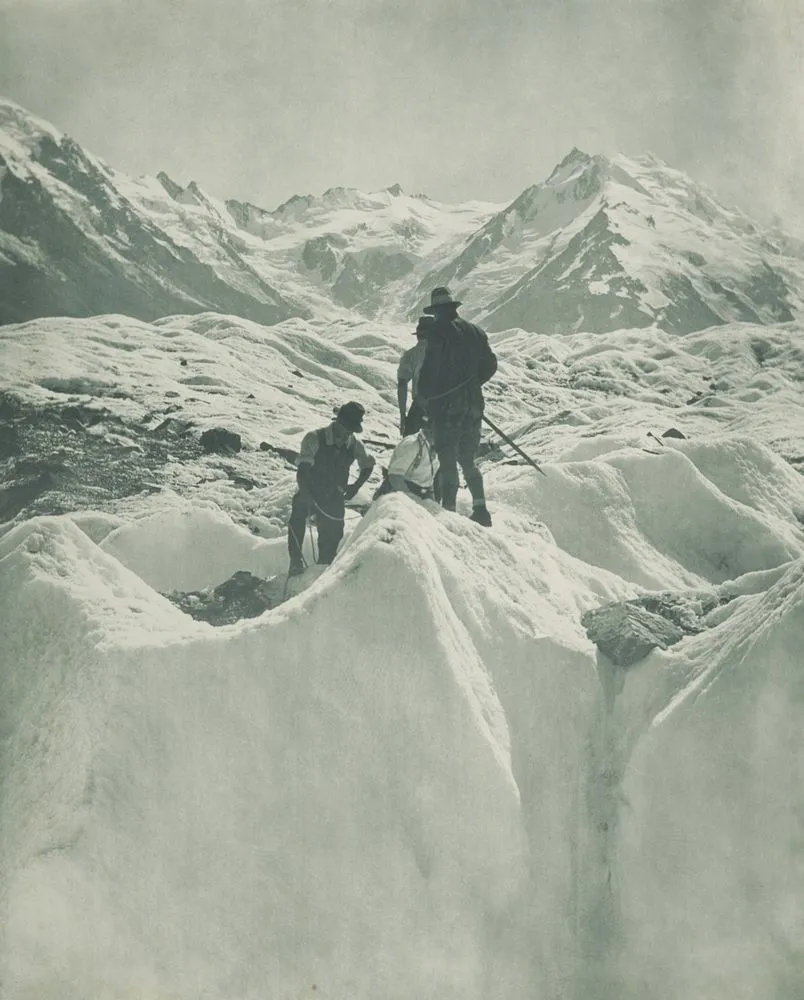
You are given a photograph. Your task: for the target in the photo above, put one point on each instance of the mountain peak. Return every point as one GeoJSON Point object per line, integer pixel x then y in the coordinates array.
{"type": "Point", "coordinates": [26, 129]}
{"type": "Point", "coordinates": [395, 190]}
{"type": "Point", "coordinates": [572, 161]}
{"type": "Point", "coordinates": [172, 188]}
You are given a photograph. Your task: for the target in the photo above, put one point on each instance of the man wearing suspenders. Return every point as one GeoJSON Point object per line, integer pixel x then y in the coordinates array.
{"type": "Point", "coordinates": [322, 474]}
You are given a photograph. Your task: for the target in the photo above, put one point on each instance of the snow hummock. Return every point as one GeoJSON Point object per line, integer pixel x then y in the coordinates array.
{"type": "Point", "coordinates": [417, 776]}
{"type": "Point", "coordinates": [323, 799]}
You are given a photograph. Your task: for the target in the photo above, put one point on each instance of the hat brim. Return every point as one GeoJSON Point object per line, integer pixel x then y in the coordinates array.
{"type": "Point", "coordinates": [431, 309]}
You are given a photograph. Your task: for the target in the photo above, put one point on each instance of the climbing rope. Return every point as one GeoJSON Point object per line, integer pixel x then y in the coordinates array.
{"type": "Point", "coordinates": [449, 392]}
{"type": "Point", "coordinates": [329, 517]}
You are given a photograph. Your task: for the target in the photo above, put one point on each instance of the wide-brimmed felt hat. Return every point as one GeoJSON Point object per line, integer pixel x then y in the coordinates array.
{"type": "Point", "coordinates": [350, 415]}
{"type": "Point", "coordinates": [440, 296]}
{"type": "Point", "coordinates": [424, 324]}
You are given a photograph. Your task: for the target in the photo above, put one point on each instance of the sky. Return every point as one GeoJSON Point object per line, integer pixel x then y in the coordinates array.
{"type": "Point", "coordinates": [459, 99]}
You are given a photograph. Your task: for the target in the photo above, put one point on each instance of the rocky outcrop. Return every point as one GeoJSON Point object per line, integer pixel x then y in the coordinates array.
{"type": "Point", "coordinates": [627, 631]}
{"type": "Point", "coordinates": [219, 439]}
{"type": "Point", "coordinates": [243, 595]}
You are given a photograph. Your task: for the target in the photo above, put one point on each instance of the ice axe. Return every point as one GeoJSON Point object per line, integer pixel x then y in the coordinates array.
{"type": "Point", "coordinates": [514, 445]}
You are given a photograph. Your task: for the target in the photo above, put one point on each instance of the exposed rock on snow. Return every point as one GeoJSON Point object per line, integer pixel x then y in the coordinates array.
{"type": "Point", "coordinates": [70, 454]}
{"type": "Point", "coordinates": [243, 595]}
{"type": "Point", "coordinates": [221, 440]}
{"type": "Point", "coordinates": [626, 632]}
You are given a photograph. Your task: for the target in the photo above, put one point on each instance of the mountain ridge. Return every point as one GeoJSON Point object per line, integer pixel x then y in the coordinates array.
{"type": "Point", "coordinates": [602, 243]}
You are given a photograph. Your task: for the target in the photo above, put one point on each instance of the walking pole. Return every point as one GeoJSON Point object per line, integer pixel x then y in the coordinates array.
{"type": "Point", "coordinates": [514, 445]}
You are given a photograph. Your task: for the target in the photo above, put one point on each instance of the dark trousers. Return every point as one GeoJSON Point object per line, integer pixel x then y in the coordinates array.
{"type": "Point", "coordinates": [457, 439]}
{"type": "Point", "coordinates": [329, 513]}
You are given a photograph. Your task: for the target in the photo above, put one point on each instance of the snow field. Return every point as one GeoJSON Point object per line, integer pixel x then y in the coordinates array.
{"type": "Point", "coordinates": [659, 520]}
{"type": "Point", "coordinates": [709, 869]}
{"type": "Point", "coordinates": [283, 800]}
{"type": "Point", "coordinates": [406, 780]}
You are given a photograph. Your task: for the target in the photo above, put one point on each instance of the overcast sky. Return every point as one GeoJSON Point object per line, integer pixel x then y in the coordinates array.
{"type": "Point", "coordinates": [261, 99]}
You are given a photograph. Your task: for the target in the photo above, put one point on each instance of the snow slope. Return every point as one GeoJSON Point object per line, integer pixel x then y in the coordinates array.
{"type": "Point", "coordinates": [418, 777]}
{"type": "Point", "coordinates": [418, 803]}
{"type": "Point", "coordinates": [115, 408]}
{"type": "Point", "coordinates": [229, 826]}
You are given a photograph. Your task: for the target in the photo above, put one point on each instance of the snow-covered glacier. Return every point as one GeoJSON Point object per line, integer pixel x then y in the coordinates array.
{"type": "Point", "coordinates": [419, 776]}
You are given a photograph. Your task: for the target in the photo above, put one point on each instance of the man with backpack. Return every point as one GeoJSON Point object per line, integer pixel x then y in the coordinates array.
{"type": "Point", "coordinates": [458, 361]}
{"type": "Point", "coordinates": [322, 474]}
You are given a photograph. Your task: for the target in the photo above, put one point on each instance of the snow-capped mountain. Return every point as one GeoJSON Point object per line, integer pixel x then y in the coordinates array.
{"type": "Point", "coordinates": [365, 250]}
{"type": "Point", "coordinates": [79, 238]}
{"type": "Point", "coordinates": [602, 244]}
{"type": "Point", "coordinates": [609, 244]}
{"type": "Point", "coordinates": [74, 242]}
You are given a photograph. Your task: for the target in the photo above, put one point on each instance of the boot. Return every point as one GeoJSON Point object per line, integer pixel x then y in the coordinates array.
{"type": "Point", "coordinates": [480, 515]}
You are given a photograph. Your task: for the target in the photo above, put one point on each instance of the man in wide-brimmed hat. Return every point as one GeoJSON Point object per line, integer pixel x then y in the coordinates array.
{"type": "Point", "coordinates": [458, 361]}
{"type": "Point", "coordinates": [322, 475]}
{"type": "Point", "coordinates": [410, 420]}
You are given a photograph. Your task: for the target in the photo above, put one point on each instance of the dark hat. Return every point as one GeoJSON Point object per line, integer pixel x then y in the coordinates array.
{"type": "Point", "coordinates": [350, 415]}
{"type": "Point", "coordinates": [424, 324]}
{"type": "Point", "coordinates": [440, 296]}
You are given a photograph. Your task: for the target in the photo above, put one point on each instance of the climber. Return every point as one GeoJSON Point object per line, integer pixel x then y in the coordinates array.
{"type": "Point", "coordinates": [322, 475]}
{"type": "Point", "coordinates": [413, 466]}
{"type": "Point", "coordinates": [408, 372]}
{"type": "Point", "coordinates": [458, 361]}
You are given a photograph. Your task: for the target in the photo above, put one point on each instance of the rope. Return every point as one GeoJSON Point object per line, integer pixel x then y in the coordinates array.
{"type": "Point", "coordinates": [301, 556]}
{"type": "Point", "coordinates": [329, 517]}
{"type": "Point", "coordinates": [429, 399]}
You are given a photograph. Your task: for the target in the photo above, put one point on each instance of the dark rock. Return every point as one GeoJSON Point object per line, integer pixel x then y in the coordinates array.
{"type": "Point", "coordinates": [674, 432]}
{"type": "Point", "coordinates": [218, 439]}
{"type": "Point", "coordinates": [30, 478]}
{"type": "Point", "coordinates": [9, 441]}
{"type": "Point", "coordinates": [83, 415]}
{"type": "Point", "coordinates": [246, 482]}
{"type": "Point", "coordinates": [171, 427]}
{"type": "Point", "coordinates": [626, 633]}
{"type": "Point", "coordinates": [183, 362]}
{"type": "Point", "coordinates": [241, 596]}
